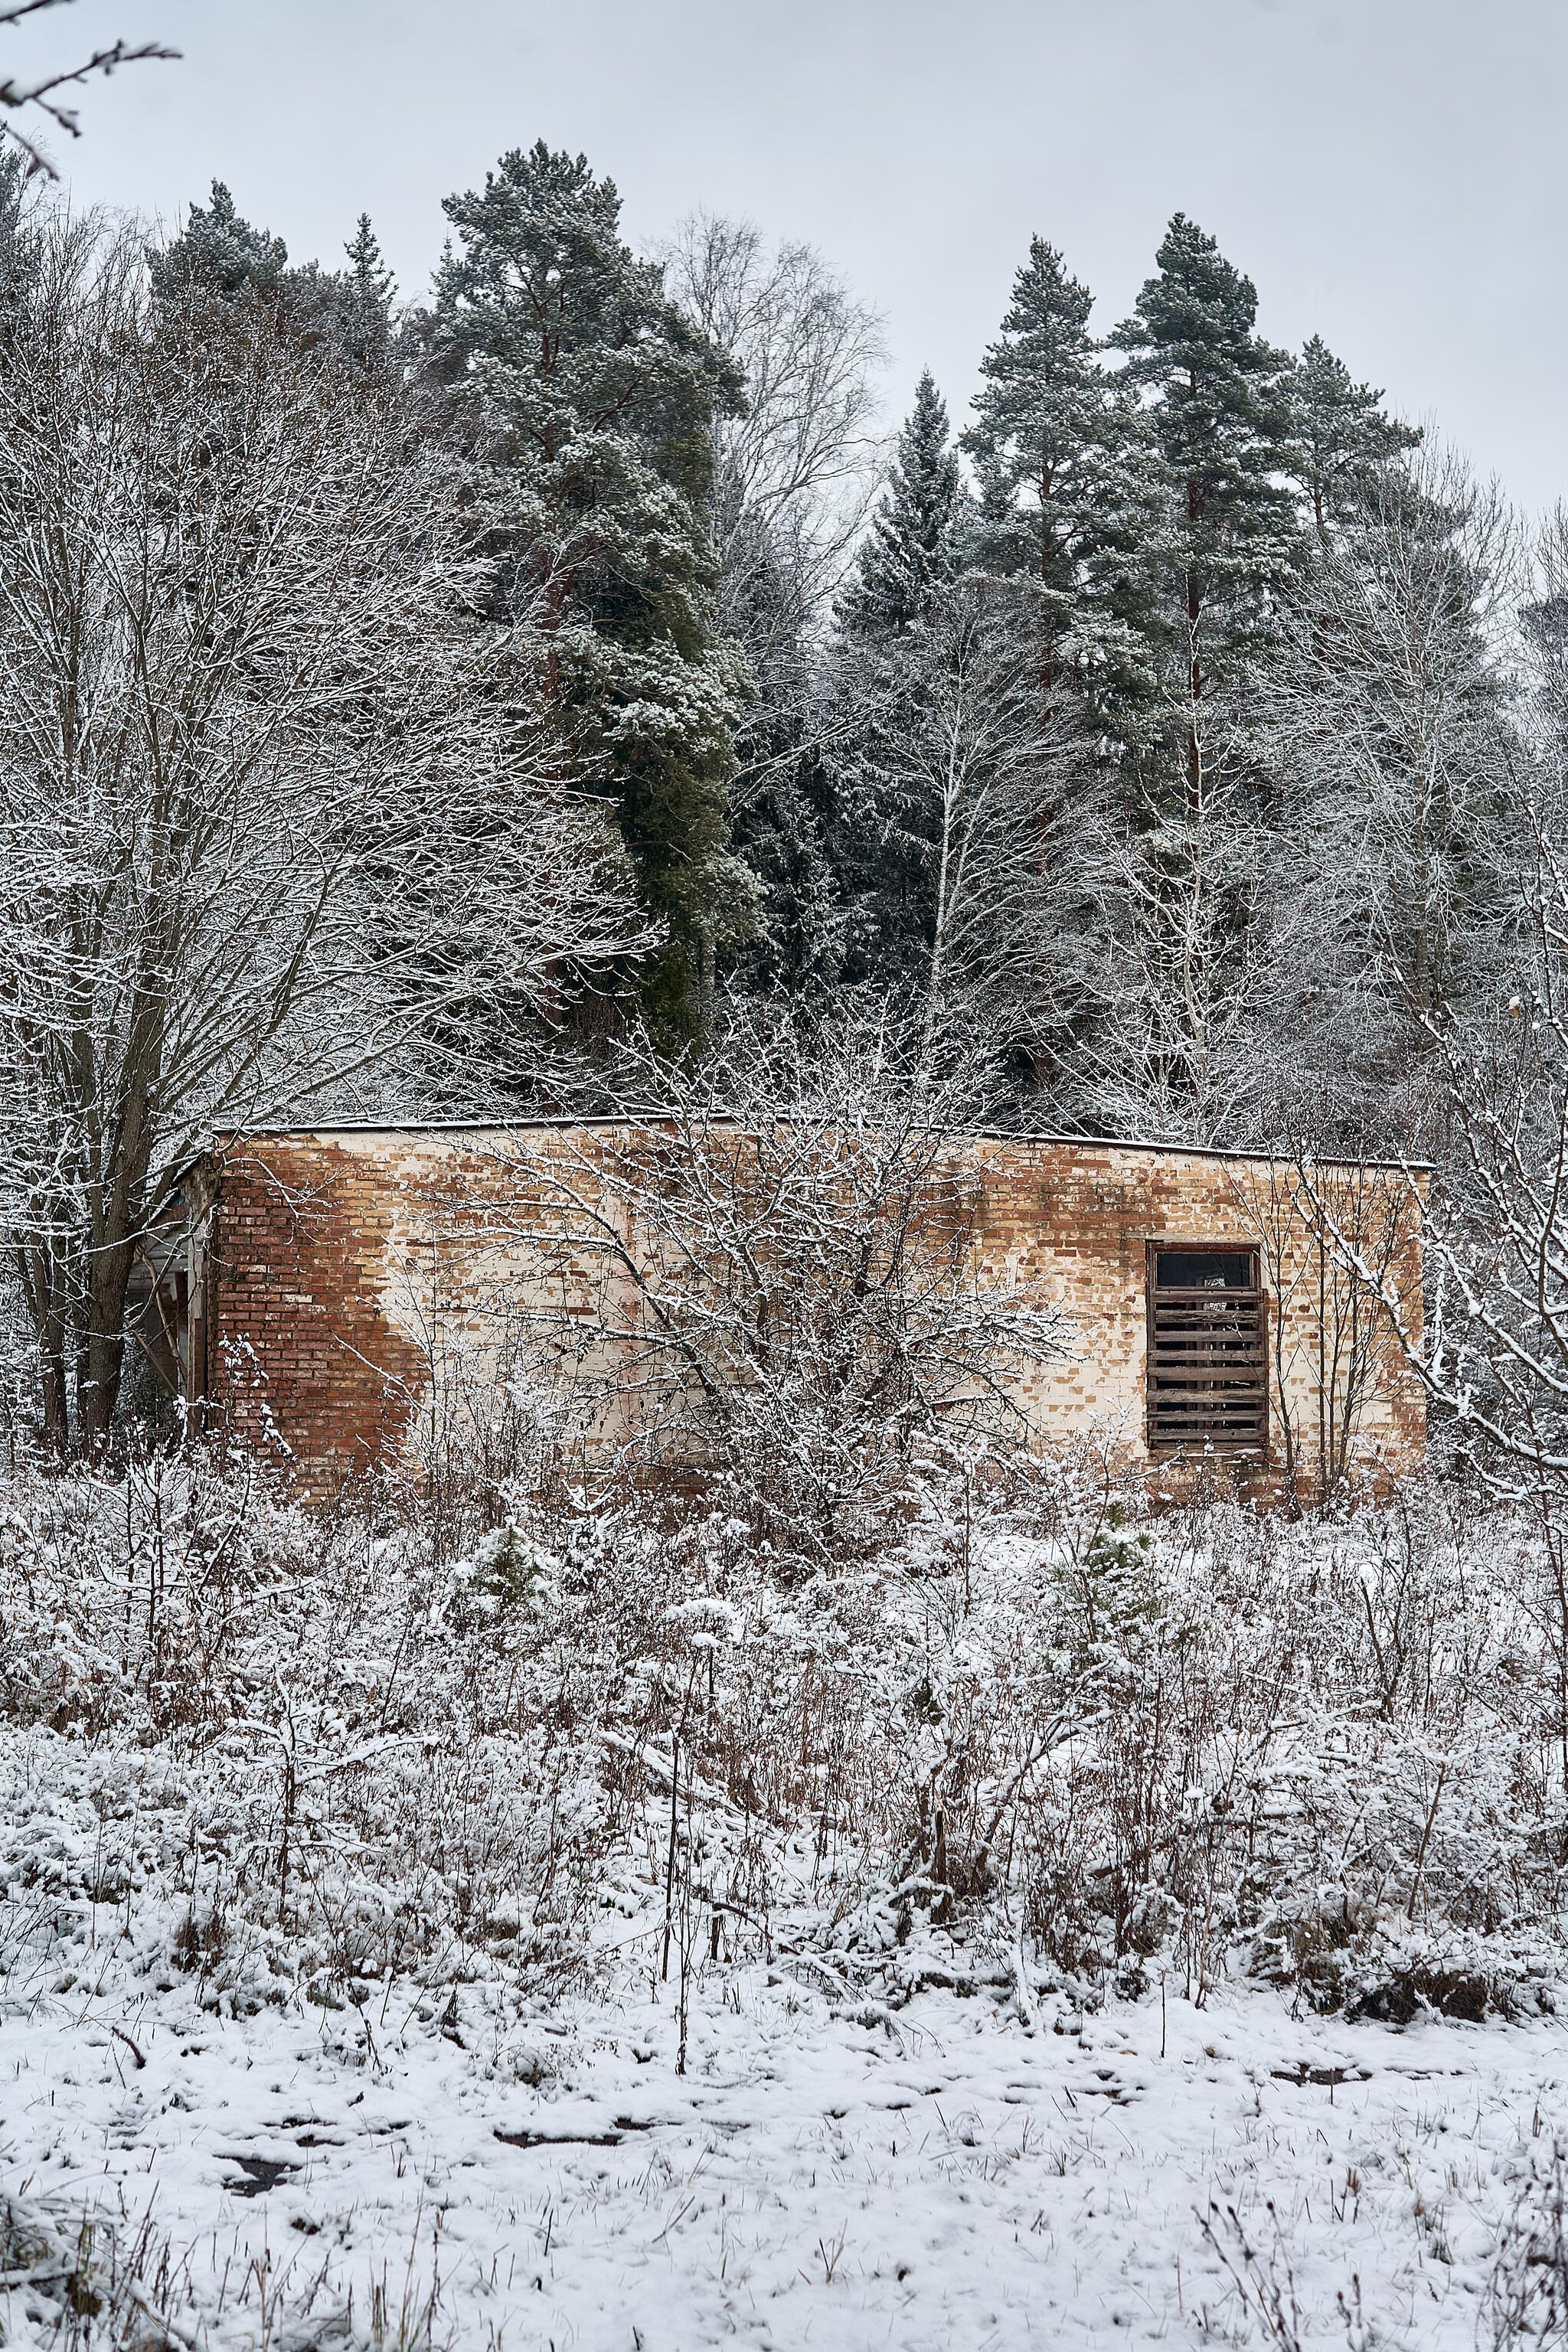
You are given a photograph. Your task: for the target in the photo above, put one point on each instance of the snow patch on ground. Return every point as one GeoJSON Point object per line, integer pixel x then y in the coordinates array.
{"type": "Point", "coordinates": [939, 2178]}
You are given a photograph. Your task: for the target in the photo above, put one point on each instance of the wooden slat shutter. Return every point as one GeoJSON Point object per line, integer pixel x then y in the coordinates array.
{"type": "Point", "coordinates": [1207, 1368]}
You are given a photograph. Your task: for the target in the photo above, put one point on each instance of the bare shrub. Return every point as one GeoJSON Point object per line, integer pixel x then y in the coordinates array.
{"type": "Point", "coordinates": [1035, 1735]}
{"type": "Point", "coordinates": [766, 1283]}
{"type": "Point", "coordinates": [1526, 2299]}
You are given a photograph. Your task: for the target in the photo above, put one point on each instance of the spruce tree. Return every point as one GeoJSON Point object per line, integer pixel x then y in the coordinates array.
{"type": "Point", "coordinates": [877, 827]}
{"type": "Point", "coordinates": [1222, 419]}
{"type": "Point", "coordinates": [1343, 441]}
{"type": "Point", "coordinates": [603, 398]}
{"type": "Point", "coordinates": [783, 802]}
{"type": "Point", "coordinates": [910, 551]}
{"type": "Point", "coordinates": [368, 294]}
{"type": "Point", "coordinates": [1056, 446]}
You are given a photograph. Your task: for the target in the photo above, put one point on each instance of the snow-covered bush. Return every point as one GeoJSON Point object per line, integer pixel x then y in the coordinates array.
{"type": "Point", "coordinates": [1051, 1733]}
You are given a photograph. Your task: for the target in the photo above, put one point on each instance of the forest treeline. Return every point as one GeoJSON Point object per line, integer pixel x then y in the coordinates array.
{"type": "Point", "coordinates": [407, 706]}
{"type": "Point", "coordinates": [1178, 722]}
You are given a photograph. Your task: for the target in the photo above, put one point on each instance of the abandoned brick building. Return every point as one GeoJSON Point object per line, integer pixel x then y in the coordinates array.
{"type": "Point", "coordinates": [323, 1279]}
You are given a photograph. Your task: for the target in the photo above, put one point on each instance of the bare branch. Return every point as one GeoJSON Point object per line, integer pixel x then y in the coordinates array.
{"type": "Point", "coordinates": [16, 96]}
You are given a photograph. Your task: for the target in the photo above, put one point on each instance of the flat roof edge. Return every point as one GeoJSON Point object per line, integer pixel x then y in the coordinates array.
{"type": "Point", "coordinates": [456, 1127]}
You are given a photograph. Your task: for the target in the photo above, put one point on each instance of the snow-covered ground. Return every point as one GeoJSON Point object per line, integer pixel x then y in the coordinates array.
{"type": "Point", "coordinates": [937, 2176]}
{"type": "Point", "coordinates": [348, 1889]}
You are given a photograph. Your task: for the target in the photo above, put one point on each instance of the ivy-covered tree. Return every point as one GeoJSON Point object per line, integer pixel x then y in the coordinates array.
{"type": "Point", "coordinates": [910, 552]}
{"type": "Point", "coordinates": [598, 397]}
{"type": "Point", "coordinates": [1222, 416]}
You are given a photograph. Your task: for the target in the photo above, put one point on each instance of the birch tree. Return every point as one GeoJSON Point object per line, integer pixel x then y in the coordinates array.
{"type": "Point", "coordinates": [797, 466]}
{"type": "Point", "coordinates": [946, 828]}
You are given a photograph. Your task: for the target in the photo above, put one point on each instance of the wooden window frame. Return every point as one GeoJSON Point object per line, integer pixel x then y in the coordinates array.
{"type": "Point", "coordinates": [1253, 1448]}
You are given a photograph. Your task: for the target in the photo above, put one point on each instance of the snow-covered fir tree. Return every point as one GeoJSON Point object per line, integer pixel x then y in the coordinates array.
{"type": "Point", "coordinates": [1058, 448]}
{"type": "Point", "coordinates": [219, 253]}
{"type": "Point", "coordinates": [600, 397]}
{"type": "Point", "coordinates": [369, 292]}
{"type": "Point", "coordinates": [910, 551]}
{"type": "Point", "coordinates": [784, 806]}
{"type": "Point", "coordinates": [883, 828]}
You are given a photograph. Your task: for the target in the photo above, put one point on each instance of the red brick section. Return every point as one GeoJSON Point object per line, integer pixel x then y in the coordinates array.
{"type": "Point", "coordinates": [302, 1361]}
{"type": "Point", "coordinates": [312, 1236]}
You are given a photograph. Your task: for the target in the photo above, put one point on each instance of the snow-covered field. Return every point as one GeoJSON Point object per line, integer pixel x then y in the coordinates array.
{"type": "Point", "coordinates": [939, 2177]}
{"type": "Point", "coordinates": [595, 1934]}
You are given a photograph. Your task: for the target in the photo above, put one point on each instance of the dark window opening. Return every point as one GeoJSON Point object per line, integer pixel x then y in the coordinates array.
{"type": "Point", "coordinates": [1207, 1384]}
{"type": "Point", "coordinates": [1202, 1270]}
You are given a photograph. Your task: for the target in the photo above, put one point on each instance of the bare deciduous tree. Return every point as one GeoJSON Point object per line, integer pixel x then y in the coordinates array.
{"type": "Point", "coordinates": [1170, 1043]}
{"type": "Point", "coordinates": [1493, 1344]}
{"type": "Point", "coordinates": [1385, 703]}
{"type": "Point", "coordinates": [951, 792]}
{"type": "Point", "coordinates": [270, 805]}
{"type": "Point", "coordinates": [1342, 1348]}
{"type": "Point", "coordinates": [797, 471]}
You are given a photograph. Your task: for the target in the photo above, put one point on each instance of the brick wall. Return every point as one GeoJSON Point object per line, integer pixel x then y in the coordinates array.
{"type": "Point", "coordinates": [1078, 1217]}
{"type": "Point", "coordinates": [342, 1267]}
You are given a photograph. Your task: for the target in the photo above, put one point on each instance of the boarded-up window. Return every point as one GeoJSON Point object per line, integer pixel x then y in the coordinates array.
{"type": "Point", "coordinates": [1207, 1365]}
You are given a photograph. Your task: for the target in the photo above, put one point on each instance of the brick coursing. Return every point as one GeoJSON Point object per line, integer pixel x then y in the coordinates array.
{"type": "Point", "coordinates": [331, 1257]}
{"type": "Point", "coordinates": [303, 1357]}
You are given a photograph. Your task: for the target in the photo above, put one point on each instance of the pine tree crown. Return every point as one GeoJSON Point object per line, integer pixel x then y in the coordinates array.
{"type": "Point", "coordinates": [219, 252]}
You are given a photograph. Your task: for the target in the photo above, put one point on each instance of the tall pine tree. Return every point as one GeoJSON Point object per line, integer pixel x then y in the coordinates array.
{"type": "Point", "coordinates": [1222, 418]}
{"type": "Point", "coordinates": [602, 398]}
{"type": "Point", "coordinates": [1343, 439]}
{"type": "Point", "coordinates": [1055, 445]}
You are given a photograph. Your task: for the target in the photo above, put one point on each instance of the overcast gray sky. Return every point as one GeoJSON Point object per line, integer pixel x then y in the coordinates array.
{"type": "Point", "coordinates": [1390, 172]}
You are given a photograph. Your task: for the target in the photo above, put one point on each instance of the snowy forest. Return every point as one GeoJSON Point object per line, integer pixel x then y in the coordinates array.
{"type": "Point", "coordinates": [913, 1885]}
{"type": "Point", "coordinates": [450, 710]}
